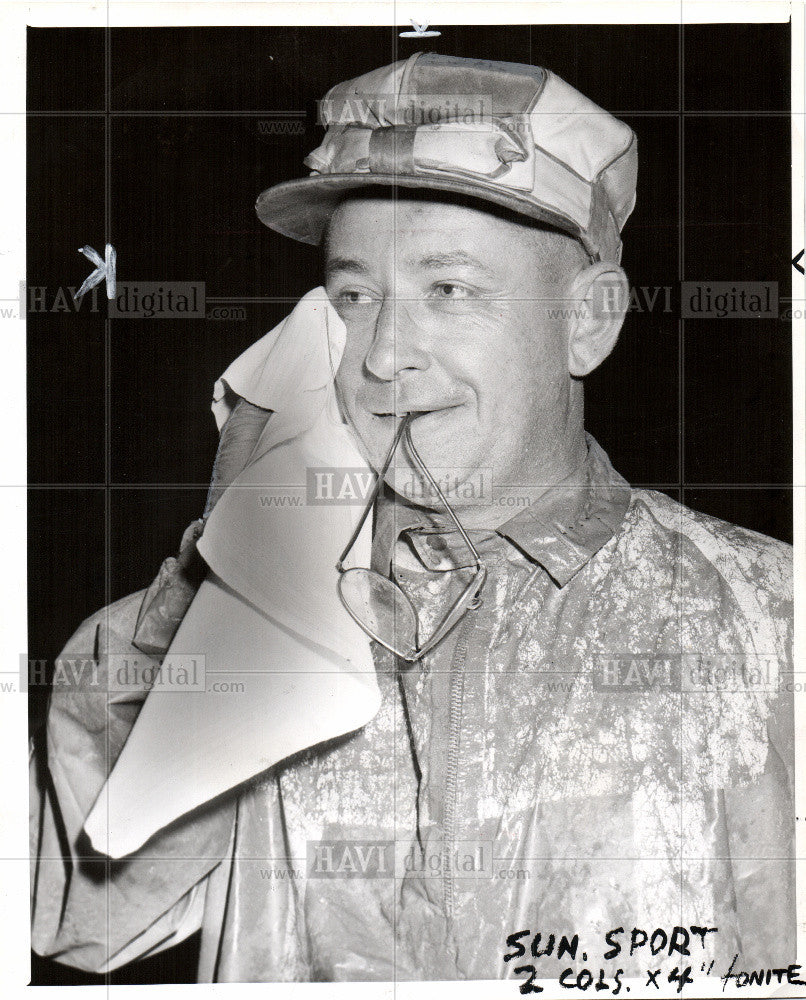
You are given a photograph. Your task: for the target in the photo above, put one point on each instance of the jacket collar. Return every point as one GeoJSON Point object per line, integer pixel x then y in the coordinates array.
{"type": "Point", "coordinates": [561, 531]}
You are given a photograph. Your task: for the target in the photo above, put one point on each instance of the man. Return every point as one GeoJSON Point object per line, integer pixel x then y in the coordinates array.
{"type": "Point", "coordinates": [587, 750]}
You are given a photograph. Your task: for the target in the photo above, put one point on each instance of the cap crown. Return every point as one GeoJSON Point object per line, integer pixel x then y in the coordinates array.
{"type": "Point", "coordinates": [510, 133]}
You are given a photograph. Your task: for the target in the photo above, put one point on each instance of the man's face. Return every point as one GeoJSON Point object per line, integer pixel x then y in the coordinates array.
{"type": "Point", "coordinates": [449, 313]}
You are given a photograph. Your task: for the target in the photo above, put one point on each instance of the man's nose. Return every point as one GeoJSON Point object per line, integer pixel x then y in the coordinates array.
{"type": "Point", "coordinates": [396, 345]}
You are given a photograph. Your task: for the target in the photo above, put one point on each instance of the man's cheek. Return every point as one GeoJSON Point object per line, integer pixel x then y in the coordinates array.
{"type": "Point", "coordinates": [348, 376]}
{"type": "Point", "coordinates": [490, 369]}
{"type": "Point", "coordinates": [352, 371]}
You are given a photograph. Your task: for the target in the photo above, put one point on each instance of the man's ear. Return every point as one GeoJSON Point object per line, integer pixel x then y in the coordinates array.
{"type": "Point", "coordinates": [601, 291]}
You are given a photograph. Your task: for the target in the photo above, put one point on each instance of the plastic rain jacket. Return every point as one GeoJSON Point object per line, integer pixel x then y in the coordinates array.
{"type": "Point", "coordinates": [606, 742]}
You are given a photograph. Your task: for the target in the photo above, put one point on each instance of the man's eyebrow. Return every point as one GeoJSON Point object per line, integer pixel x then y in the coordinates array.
{"type": "Point", "coordinates": [348, 264]}
{"type": "Point", "coordinates": [449, 258]}
{"type": "Point", "coordinates": [453, 258]}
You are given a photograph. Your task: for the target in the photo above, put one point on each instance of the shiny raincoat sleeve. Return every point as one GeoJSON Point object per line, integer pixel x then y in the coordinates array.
{"type": "Point", "coordinates": [87, 911]}
{"type": "Point", "coordinates": [762, 849]}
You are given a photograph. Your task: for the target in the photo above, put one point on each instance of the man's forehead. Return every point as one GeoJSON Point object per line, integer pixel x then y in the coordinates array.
{"type": "Point", "coordinates": [423, 233]}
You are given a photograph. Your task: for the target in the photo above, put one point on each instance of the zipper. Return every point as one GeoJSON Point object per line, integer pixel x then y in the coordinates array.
{"type": "Point", "coordinates": [457, 688]}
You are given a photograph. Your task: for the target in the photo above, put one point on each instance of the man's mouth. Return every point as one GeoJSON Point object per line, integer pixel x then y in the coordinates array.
{"type": "Point", "coordinates": [416, 411]}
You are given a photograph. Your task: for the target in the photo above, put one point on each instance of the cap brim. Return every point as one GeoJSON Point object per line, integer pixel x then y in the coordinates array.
{"type": "Point", "coordinates": [301, 209]}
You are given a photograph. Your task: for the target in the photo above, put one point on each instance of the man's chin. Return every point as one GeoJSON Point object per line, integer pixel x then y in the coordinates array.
{"type": "Point", "coordinates": [410, 486]}
{"type": "Point", "coordinates": [462, 486]}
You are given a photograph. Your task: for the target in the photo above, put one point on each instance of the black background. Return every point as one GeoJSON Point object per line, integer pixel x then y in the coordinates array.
{"type": "Point", "coordinates": [120, 435]}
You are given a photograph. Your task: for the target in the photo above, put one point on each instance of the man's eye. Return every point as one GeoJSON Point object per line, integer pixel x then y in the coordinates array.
{"type": "Point", "coordinates": [353, 297]}
{"type": "Point", "coordinates": [451, 290]}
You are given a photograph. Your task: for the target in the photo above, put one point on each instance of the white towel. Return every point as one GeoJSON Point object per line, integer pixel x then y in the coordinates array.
{"type": "Point", "coordinates": [268, 617]}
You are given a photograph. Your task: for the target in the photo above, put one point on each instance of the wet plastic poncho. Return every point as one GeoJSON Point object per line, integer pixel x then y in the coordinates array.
{"type": "Point", "coordinates": [606, 742]}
